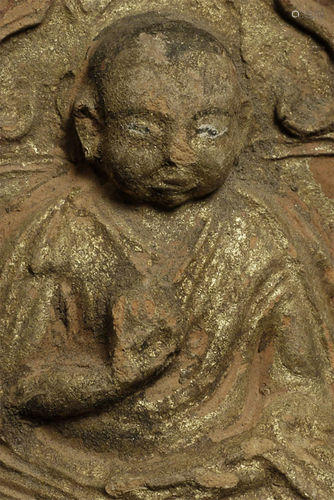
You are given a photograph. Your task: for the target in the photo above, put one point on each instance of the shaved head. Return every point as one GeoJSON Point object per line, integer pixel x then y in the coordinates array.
{"type": "Point", "coordinates": [163, 111]}
{"type": "Point", "coordinates": [155, 37]}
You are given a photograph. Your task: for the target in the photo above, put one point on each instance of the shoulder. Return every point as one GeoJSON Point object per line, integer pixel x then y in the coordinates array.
{"type": "Point", "coordinates": [48, 224]}
{"type": "Point", "coordinates": [253, 225]}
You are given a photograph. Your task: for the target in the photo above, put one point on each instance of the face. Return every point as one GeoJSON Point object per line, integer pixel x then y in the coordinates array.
{"type": "Point", "coordinates": [172, 126]}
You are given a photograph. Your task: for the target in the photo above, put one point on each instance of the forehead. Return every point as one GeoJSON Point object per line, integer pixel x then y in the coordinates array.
{"type": "Point", "coordinates": [149, 73]}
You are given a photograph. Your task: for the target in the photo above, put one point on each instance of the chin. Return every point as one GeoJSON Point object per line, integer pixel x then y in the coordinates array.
{"type": "Point", "coordinates": [163, 198]}
{"type": "Point", "coordinates": [171, 200]}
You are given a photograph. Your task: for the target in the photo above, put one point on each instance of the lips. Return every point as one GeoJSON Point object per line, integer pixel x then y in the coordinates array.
{"type": "Point", "coordinates": [175, 180]}
{"type": "Point", "coordinates": [173, 187]}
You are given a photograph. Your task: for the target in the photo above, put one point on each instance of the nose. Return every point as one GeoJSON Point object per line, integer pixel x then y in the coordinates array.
{"type": "Point", "coordinates": [180, 152]}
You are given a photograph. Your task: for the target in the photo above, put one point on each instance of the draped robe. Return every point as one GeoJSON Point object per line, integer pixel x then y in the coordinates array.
{"type": "Point", "coordinates": [128, 330]}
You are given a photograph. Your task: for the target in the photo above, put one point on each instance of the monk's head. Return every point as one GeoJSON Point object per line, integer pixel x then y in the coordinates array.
{"type": "Point", "coordinates": [162, 111]}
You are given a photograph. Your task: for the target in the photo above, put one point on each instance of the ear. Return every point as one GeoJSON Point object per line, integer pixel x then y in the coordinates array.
{"type": "Point", "coordinates": [245, 118]}
{"type": "Point", "coordinates": [88, 124]}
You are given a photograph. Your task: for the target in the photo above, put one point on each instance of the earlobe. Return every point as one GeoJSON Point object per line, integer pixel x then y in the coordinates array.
{"type": "Point", "coordinates": [88, 125]}
{"type": "Point", "coordinates": [246, 111]}
{"type": "Point", "coordinates": [246, 114]}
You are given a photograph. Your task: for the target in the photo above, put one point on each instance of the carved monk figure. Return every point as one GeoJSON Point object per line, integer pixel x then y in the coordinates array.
{"type": "Point", "coordinates": [158, 303]}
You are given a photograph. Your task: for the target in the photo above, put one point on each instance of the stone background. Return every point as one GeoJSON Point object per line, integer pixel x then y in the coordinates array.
{"type": "Point", "coordinates": [285, 66]}
{"type": "Point", "coordinates": [44, 43]}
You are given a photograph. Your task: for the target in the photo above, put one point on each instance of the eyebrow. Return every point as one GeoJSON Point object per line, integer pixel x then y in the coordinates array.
{"type": "Point", "coordinates": [210, 111]}
{"type": "Point", "coordinates": [133, 112]}
{"type": "Point", "coordinates": [138, 112]}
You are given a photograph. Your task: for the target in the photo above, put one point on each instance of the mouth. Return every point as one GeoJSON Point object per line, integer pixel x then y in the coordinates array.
{"type": "Point", "coordinates": [173, 181]}
{"type": "Point", "coordinates": [170, 196]}
{"type": "Point", "coordinates": [166, 187]}
{"type": "Point", "coordinates": [172, 185]}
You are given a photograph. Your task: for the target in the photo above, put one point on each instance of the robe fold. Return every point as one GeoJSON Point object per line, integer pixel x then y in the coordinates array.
{"type": "Point", "coordinates": [135, 329]}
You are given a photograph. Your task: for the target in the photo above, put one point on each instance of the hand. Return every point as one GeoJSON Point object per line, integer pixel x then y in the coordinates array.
{"type": "Point", "coordinates": [147, 331]}
{"type": "Point", "coordinates": [64, 392]}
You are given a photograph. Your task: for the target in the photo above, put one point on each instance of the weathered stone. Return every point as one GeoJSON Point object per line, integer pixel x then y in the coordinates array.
{"type": "Point", "coordinates": [167, 277]}
{"type": "Point", "coordinates": [18, 15]}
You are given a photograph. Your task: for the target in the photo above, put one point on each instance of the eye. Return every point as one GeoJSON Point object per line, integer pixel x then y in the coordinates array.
{"type": "Point", "coordinates": [209, 131]}
{"type": "Point", "coordinates": [137, 128]}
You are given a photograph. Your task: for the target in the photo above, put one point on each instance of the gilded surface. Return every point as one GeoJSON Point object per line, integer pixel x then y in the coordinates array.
{"type": "Point", "coordinates": [166, 266]}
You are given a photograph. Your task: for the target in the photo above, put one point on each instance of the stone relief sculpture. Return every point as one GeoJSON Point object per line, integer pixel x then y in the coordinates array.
{"type": "Point", "coordinates": [167, 286]}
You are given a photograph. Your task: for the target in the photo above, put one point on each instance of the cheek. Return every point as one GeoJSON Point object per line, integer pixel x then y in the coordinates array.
{"type": "Point", "coordinates": [216, 159]}
{"type": "Point", "coordinates": [131, 158]}
{"type": "Point", "coordinates": [214, 164]}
